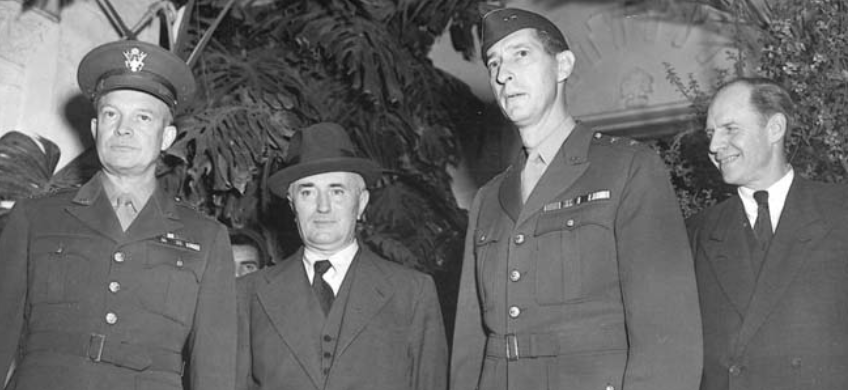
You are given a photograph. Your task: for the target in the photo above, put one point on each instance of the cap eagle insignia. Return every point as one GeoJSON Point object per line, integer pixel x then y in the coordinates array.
{"type": "Point", "coordinates": [134, 59]}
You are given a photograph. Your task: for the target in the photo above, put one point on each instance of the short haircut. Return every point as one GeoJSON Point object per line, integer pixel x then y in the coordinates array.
{"type": "Point", "coordinates": [251, 238]}
{"type": "Point", "coordinates": [767, 97]}
{"type": "Point", "coordinates": [551, 45]}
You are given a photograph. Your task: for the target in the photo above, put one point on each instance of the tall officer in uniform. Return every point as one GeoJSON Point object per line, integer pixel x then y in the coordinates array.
{"type": "Point", "coordinates": [335, 315]}
{"type": "Point", "coordinates": [115, 285]}
{"type": "Point", "coordinates": [771, 263]}
{"type": "Point", "coordinates": [577, 272]}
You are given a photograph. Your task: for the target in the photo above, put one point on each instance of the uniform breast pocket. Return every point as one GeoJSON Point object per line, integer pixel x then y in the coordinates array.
{"type": "Point", "coordinates": [486, 252]}
{"type": "Point", "coordinates": [171, 282]}
{"type": "Point", "coordinates": [574, 254]}
{"type": "Point", "coordinates": [59, 269]}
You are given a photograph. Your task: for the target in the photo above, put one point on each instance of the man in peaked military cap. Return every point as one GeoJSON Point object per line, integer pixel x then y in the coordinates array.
{"type": "Point", "coordinates": [577, 272]}
{"type": "Point", "coordinates": [115, 285]}
{"type": "Point", "coordinates": [335, 315]}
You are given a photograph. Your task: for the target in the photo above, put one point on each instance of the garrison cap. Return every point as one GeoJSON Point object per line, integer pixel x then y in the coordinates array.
{"type": "Point", "coordinates": [140, 66]}
{"type": "Point", "coordinates": [502, 22]}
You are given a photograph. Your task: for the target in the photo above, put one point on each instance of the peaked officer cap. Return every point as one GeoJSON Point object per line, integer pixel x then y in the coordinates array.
{"type": "Point", "coordinates": [321, 148]}
{"type": "Point", "coordinates": [502, 22]}
{"type": "Point", "coordinates": [140, 66]}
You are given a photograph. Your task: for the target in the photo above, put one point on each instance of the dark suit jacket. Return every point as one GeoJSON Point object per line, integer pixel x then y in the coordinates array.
{"type": "Point", "coordinates": [391, 338]}
{"type": "Point", "coordinates": [788, 328]}
{"type": "Point", "coordinates": [593, 274]}
{"type": "Point", "coordinates": [168, 281]}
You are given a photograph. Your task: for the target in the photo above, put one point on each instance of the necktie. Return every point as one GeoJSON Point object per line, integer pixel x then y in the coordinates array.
{"type": "Point", "coordinates": [125, 210]}
{"type": "Point", "coordinates": [531, 174]}
{"type": "Point", "coordinates": [322, 289]}
{"type": "Point", "coordinates": [763, 228]}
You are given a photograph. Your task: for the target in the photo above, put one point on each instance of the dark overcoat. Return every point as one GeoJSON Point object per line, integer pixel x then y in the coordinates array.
{"type": "Point", "coordinates": [588, 285]}
{"type": "Point", "coordinates": [86, 306]}
{"type": "Point", "coordinates": [787, 327]}
{"type": "Point", "coordinates": [391, 336]}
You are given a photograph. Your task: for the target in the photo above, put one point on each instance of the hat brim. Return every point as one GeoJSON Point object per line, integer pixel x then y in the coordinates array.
{"type": "Point", "coordinates": [368, 169]}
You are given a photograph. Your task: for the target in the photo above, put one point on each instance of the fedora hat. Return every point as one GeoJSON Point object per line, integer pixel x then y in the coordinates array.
{"type": "Point", "coordinates": [320, 148]}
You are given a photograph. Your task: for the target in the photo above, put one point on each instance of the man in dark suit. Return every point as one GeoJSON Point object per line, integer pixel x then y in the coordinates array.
{"type": "Point", "coordinates": [335, 315]}
{"type": "Point", "coordinates": [771, 262]}
{"type": "Point", "coordinates": [115, 285]}
{"type": "Point", "coordinates": [577, 272]}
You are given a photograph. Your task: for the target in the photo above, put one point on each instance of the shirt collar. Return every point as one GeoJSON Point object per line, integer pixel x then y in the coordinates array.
{"type": "Point", "coordinates": [777, 193]}
{"type": "Point", "coordinates": [340, 261]}
{"type": "Point", "coordinates": [548, 148]}
{"type": "Point", "coordinates": [139, 196]}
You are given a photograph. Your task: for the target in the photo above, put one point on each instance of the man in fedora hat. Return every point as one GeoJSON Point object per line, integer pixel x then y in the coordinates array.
{"type": "Point", "coordinates": [116, 285]}
{"type": "Point", "coordinates": [335, 315]}
{"type": "Point", "coordinates": [577, 272]}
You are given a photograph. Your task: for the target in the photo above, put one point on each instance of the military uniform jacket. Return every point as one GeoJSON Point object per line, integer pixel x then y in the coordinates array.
{"type": "Point", "coordinates": [785, 328]}
{"type": "Point", "coordinates": [84, 305]}
{"type": "Point", "coordinates": [391, 334]}
{"type": "Point", "coordinates": [588, 285]}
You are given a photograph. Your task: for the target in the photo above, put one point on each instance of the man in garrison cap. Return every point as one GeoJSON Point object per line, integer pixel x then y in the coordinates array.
{"type": "Point", "coordinates": [335, 315]}
{"type": "Point", "coordinates": [577, 272]}
{"type": "Point", "coordinates": [116, 285]}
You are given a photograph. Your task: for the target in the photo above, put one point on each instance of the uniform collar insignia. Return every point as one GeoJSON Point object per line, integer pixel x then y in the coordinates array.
{"type": "Point", "coordinates": [134, 59]}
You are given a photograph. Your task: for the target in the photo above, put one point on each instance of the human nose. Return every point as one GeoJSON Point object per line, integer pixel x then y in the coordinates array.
{"type": "Point", "coordinates": [503, 74]}
{"type": "Point", "coordinates": [716, 142]}
{"type": "Point", "coordinates": [323, 203]}
{"type": "Point", "coordinates": [124, 127]}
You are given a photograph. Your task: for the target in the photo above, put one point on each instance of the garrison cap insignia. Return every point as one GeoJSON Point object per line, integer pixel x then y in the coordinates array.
{"type": "Point", "coordinates": [134, 59]}
{"type": "Point", "coordinates": [598, 195]}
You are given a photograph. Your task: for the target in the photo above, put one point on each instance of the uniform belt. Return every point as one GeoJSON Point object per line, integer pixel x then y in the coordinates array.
{"type": "Point", "coordinates": [515, 346]}
{"type": "Point", "coordinates": [100, 348]}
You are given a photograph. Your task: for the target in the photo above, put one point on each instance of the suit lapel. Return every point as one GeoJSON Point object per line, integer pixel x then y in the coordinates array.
{"type": "Point", "coordinates": [288, 302]}
{"type": "Point", "coordinates": [800, 225]}
{"type": "Point", "coordinates": [369, 293]}
{"type": "Point", "coordinates": [568, 165]}
{"type": "Point", "coordinates": [728, 254]}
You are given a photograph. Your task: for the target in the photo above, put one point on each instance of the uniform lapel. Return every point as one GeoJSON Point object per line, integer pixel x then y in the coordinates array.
{"type": "Point", "coordinates": [288, 301]}
{"type": "Point", "coordinates": [800, 227]}
{"type": "Point", "coordinates": [369, 293]}
{"type": "Point", "coordinates": [510, 191]}
{"type": "Point", "coordinates": [568, 165]}
{"type": "Point", "coordinates": [91, 206]}
{"type": "Point", "coordinates": [728, 254]}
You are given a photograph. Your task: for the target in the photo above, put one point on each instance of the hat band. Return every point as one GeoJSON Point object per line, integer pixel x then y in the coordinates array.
{"type": "Point", "coordinates": [339, 153]}
{"type": "Point", "coordinates": [142, 80]}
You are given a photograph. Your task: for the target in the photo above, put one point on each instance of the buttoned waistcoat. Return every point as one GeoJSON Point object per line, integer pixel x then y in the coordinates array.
{"type": "Point", "coordinates": [391, 336]}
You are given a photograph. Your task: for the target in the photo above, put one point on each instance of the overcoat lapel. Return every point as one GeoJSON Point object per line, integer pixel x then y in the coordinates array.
{"type": "Point", "coordinates": [800, 226]}
{"type": "Point", "coordinates": [369, 293]}
{"type": "Point", "coordinates": [728, 254]}
{"type": "Point", "coordinates": [568, 165]}
{"type": "Point", "coordinates": [289, 303]}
